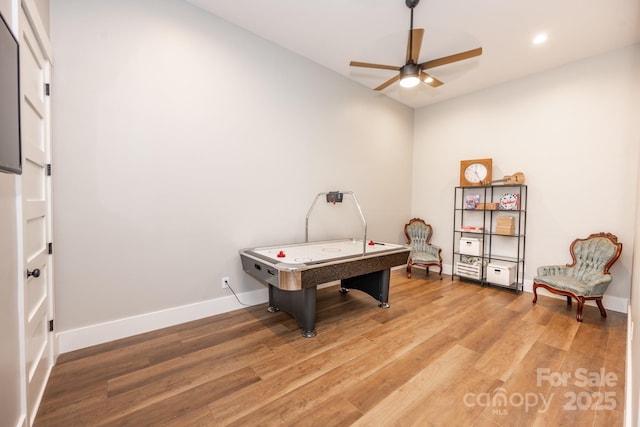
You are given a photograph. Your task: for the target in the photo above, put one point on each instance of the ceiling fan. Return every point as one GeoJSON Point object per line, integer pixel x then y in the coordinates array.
{"type": "Point", "coordinates": [411, 73]}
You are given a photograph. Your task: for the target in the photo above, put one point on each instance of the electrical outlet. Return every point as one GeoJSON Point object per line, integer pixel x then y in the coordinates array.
{"type": "Point", "coordinates": [225, 282]}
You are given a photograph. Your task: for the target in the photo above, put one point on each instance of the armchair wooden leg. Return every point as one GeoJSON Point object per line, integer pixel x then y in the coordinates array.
{"type": "Point", "coordinates": [603, 312]}
{"type": "Point", "coordinates": [569, 301]}
{"type": "Point", "coordinates": [408, 271]}
{"type": "Point", "coordinates": [580, 307]}
{"type": "Point", "coordinates": [535, 293]}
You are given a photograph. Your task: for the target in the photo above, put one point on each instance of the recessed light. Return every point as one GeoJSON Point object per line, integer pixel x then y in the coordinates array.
{"type": "Point", "coordinates": [540, 38]}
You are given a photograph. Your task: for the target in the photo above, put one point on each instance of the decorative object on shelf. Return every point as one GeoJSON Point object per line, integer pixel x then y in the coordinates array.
{"type": "Point", "coordinates": [471, 246]}
{"type": "Point", "coordinates": [473, 260]}
{"type": "Point", "coordinates": [423, 253]}
{"type": "Point", "coordinates": [509, 202]}
{"type": "Point", "coordinates": [471, 228]}
{"type": "Point", "coordinates": [501, 273]}
{"type": "Point", "coordinates": [489, 206]}
{"type": "Point", "coordinates": [469, 270]}
{"type": "Point", "coordinates": [515, 179]}
{"type": "Point", "coordinates": [472, 201]}
{"type": "Point", "coordinates": [505, 225]}
{"type": "Point", "coordinates": [475, 172]}
{"type": "Point", "coordinates": [587, 277]}
{"type": "Point", "coordinates": [471, 267]}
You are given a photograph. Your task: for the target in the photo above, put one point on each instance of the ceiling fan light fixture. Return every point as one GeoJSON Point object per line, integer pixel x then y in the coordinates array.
{"type": "Point", "coordinates": [410, 81]}
{"type": "Point", "coordinates": [409, 75]}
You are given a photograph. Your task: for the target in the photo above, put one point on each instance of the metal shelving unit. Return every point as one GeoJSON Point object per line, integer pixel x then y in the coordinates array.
{"type": "Point", "coordinates": [482, 252]}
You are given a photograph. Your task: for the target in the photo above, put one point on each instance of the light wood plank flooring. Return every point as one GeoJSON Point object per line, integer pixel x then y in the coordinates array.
{"type": "Point", "coordinates": [447, 353]}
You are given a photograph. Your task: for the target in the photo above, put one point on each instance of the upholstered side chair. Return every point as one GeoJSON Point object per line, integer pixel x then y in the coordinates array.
{"type": "Point", "coordinates": [423, 253]}
{"type": "Point", "coordinates": [587, 277]}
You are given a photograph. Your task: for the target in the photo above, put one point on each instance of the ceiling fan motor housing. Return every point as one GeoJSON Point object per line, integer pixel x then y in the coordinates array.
{"type": "Point", "coordinates": [411, 3]}
{"type": "Point", "coordinates": [409, 69]}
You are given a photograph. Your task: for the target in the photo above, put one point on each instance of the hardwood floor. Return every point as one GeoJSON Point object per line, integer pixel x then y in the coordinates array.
{"type": "Point", "coordinates": [447, 353]}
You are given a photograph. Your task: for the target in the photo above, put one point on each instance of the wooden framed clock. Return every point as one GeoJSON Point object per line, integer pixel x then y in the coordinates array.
{"type": "Point", "coordinates": [475, 172]}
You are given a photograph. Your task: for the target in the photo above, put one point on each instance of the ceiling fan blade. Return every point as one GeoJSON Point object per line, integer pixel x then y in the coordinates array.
{"type": "Point", "coordinates": [379, 66]}
{"type": "Point", "coordinates": [430, 80]}
{"type": "Point", "coordinates": [451, 58]}
{"type": "Point", "coordinates": [414, 44]}
{"type": "Point", "coordinates": [388, 82]}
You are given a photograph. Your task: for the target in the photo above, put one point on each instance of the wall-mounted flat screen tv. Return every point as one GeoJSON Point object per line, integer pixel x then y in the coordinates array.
{"type": "Point", "coordinates": [10, 144]}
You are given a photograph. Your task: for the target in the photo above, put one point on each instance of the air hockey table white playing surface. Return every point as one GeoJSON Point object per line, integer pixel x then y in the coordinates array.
{"type": "Point", "coordinates": [314, 252]}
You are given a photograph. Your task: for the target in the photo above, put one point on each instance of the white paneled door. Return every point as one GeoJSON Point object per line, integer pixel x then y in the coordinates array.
{"type": "Point", "coordinates": [37, 294]}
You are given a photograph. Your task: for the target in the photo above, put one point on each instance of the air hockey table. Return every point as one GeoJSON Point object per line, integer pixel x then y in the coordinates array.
{"type": "Point", "coordinates": [293, 271]}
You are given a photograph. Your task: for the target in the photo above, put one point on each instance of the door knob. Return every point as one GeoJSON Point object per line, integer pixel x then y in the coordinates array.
{"type": "Point", "coordinates": [34, 273]}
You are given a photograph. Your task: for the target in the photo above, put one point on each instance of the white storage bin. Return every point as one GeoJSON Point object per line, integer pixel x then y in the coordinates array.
{"type": "Point", "coordinates": [471, 246]}
{"type": "Point", "coordinates": [469, 270]}
{"type": "Point", "coordinates": [501, 274]}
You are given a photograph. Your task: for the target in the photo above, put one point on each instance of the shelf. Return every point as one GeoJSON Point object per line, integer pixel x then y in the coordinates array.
{"type": "Point", "coordinates": [474, 256]}
{"type": "Point", "coordinates": [490, 210]}
{"type": "Point", "coordinates": [511, 259]}
{"type": "Point", "coordinates": [485, 233]}
{"type": "Point", "coordinates": [468, 187]}
{"type": "Point", "coordinates": [513, 286]}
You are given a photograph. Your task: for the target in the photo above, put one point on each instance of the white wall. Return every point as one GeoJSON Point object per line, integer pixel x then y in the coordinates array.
{"type": "Point", "coordinates": [180, 139]}
{"type": "Point", "coordinates": [573, 131]}
{"type": "Point", "coordinates": [9, 315]}
{"type": "Point", "coordinates": [10, 361]}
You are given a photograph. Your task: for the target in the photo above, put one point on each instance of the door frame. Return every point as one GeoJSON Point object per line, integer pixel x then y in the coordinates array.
{"type": "Point", "coordinates": [30, 11]}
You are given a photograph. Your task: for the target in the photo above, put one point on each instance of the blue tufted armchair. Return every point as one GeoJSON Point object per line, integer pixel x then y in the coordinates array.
{"type": "Point", "coordinates": [587, 277]}
{"type": "Point", "coordinates": [423, 253]}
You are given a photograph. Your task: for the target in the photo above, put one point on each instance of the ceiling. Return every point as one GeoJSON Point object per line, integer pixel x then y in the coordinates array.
{"type": "Point", "coordinates": [334, 32]}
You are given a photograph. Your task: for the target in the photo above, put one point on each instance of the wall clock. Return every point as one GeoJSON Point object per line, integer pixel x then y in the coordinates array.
{"type": "Point", "coordinates": [475, 172]}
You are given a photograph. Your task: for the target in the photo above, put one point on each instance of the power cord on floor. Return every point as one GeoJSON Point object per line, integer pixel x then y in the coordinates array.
{"type": "Point", "coordinates": [235, 295]}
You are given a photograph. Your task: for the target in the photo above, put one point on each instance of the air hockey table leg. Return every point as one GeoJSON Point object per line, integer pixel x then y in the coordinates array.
{"type": "Point", "coordinates": [300, 304]}
{"type": "Point", "coordinates": [375, 284]}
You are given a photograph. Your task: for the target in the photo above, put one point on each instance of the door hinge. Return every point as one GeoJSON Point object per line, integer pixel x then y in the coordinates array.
{"type": "Point", "coordinates": [51, 325]}
{"type": "Point", "coordinates": [48, 169]}
{"type": "Point", "coordinates": [47, 89]}
{"type": "Point", "coordinates": [50, 248]}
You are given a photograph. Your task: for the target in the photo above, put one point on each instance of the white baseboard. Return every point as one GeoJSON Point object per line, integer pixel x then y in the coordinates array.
{"type": "Point", "coordinates": [100, 333]}
{"type": "Point", "coordinates": [87, 336]}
